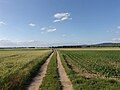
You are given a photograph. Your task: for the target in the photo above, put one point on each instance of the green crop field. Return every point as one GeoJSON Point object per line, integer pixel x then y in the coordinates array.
{"type": "Point", "coordinates": [92, 69]}
{"type": "Point", "coordinates": [17, 67]}
{"type": "Point", "coordinates": [87, 69]}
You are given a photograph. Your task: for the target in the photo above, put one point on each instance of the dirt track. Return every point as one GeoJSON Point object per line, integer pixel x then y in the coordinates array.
{"type": "Point", "coordinates": [37, 81]}
{"type": "Point", "coordinates": [66, 83]}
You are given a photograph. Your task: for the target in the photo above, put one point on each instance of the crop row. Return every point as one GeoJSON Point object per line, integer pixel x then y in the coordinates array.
{"type": "Point", "coordinates": [80, 82]}
{"type": "Point", "coordinates": [103, 62]}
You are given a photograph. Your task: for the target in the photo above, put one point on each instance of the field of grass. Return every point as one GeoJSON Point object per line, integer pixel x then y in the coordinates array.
{"type": "Point", "coordinates": [51, 79]}
{"type": "Point", "coordinates": [86, 69]}
{"type": "Point", "coordinates": [17, 67]}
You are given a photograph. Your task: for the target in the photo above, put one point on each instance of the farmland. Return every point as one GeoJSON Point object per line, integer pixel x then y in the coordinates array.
{"type": "Point", "coordinates": [88, 69]}
{"type": "Point", "coordinates": [18, 67]}
{"type": "Point", "coordinates": [64, 69]}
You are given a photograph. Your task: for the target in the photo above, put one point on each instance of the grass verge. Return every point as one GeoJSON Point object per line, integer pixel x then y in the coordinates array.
{"type": "Point", "coordinates": [51, 80]}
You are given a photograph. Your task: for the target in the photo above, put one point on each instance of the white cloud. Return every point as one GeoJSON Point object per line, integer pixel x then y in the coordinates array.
{"type": "Point", "coordinates": [43, 28]}
{"type": "Point", "coordinates": [57, 20]}
{"type": "Point", "coordinates": [51, 29]}
{"type": "Point", "coordinates": [6, 42]}
{"type": "Point", "coordinates": [116, 39]}
{"type": "Point", "coordinates": [2, 23]}
{"type": "Point", "coordinates": [68, 35]}
{"type": "Point", "coordinates": [118, 27]}
{"type": "Point", "coordinates": [113, 30]}
{"type": "Point", "coordinates": [61, 17]}
{"type": "Point", "coordinates": [32, 25]}
{"type": "Point", "coordinates": [48, 29]}
{"type": "Point", "coordinates": [30, 43]}
{"type": "Point", "coordinates": [34, 43]}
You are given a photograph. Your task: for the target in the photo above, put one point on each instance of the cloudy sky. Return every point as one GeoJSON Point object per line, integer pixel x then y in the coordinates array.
{"type": "Point", "coordinates": [58, 22]}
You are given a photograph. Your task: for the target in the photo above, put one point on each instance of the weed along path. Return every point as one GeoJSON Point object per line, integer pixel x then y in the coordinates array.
{"type": "Point", "coordinates": [65, 81]}
{"type": "Point", "coordinates": [37, 81]}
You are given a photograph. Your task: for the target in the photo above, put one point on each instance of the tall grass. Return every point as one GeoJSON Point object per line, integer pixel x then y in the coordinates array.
{"type": "Point", "coordinates": [17, 70]}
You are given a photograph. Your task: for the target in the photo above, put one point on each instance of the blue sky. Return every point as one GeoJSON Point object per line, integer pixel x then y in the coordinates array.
{"type": "Point", "coordinates": [58, 22]}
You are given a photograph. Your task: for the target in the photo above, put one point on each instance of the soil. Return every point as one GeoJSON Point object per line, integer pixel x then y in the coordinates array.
{"type": "Point", "coordinates": [65, 81]}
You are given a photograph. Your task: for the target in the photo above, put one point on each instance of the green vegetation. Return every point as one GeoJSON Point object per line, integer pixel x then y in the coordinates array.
{"type": "Point", "coordinates": [87, 69]}
{"type": "Point", "coordinates": [18, 67]}
{"type": "Point", "coordinates": [51, 79]}
{"type": "Point", "coordinates": [104, 62]}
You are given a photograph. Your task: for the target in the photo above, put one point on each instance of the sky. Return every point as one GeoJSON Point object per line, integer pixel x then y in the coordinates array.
{"type": "Point", "coordinates": [58, 22]}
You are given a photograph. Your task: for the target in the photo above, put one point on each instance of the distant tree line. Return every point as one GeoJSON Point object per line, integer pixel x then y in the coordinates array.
{"type": "Point", "coordinates": [90, 46]}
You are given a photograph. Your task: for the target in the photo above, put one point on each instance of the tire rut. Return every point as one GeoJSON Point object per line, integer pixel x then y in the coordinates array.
{"type": "Point", "coordinates": [37, 81]}
{"type": "Point", "coordinates": [65, 81]}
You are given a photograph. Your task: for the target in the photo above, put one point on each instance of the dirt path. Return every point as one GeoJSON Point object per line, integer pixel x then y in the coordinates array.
{"type": "Point", "coordinates": [37, 81]}
{"type": "Point", "coordinates": [66, 83]}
